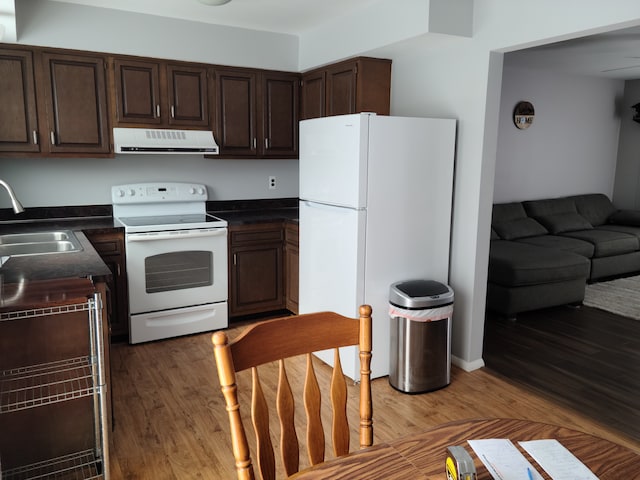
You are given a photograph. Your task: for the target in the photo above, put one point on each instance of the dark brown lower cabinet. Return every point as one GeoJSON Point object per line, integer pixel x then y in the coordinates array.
{"type": "Point", "coordinates": [256, 281]}
{"type": "Point", "coordinates": [110, 247]}
{"type": "Point", "coordinates": [291, 261]}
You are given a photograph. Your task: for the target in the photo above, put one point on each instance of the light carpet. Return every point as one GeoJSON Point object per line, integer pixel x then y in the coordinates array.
{"type": "Point", "coordinates": [620, 296]}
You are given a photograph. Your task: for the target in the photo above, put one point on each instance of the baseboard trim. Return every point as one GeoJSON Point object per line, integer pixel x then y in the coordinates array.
{"type": "Point", "coordinates": [465, 365]}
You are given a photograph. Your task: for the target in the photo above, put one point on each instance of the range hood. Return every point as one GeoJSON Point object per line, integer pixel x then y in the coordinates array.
{"type": "Point", "coordinates": [149, 140]}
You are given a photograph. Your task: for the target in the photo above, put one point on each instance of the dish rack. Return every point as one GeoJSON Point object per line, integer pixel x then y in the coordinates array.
{"type": "Point", "coordinates": [35, 386]}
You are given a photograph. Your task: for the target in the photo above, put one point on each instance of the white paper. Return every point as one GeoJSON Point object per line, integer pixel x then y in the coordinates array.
{"type": "Point", "coordinates": [557, 461]}
{"type": "Point", "coordinates": [503, 459]}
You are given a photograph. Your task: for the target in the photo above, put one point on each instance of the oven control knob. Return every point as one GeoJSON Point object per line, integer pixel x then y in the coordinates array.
{"type": "Point", "coordinates": [121, 193]}
{"type": "Point", "coordinates": [132, 192]}
{"type": "Point", "coordinates": [192, 191]}
{"type": "Point", "coordinates": [201, 191]}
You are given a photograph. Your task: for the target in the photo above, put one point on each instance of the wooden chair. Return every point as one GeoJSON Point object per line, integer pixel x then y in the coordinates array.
{"type": "Point", "coordinates": [275, 340]}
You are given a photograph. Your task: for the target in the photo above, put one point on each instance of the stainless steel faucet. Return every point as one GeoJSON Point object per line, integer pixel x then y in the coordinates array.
{"type": "Point", "coordinates": [17, 206]}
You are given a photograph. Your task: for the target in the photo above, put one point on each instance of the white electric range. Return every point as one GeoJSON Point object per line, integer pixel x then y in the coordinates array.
{"type": "Point", "coordinates": [176, 256]}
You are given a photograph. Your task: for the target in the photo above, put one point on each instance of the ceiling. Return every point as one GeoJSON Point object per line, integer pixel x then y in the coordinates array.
{"type": "Point", "coordinates": [614, 55]}
{"type": "Point", "coordinates": [282, 16]}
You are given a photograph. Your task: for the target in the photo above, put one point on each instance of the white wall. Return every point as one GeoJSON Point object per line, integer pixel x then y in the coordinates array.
{"type": "Point", "coordinates": [627, 182]}
{"type": "Point", "coordinates": [571, 148]}
{"type": "Point", "coordinates": [73, 181]}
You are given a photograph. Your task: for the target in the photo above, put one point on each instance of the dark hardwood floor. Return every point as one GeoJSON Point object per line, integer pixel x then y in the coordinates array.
{"type": "Point", "coordinates": [584, 358]}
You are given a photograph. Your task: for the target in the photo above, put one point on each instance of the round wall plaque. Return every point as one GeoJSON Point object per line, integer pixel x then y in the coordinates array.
{"type": "Point", "coordinates": [523, 115]}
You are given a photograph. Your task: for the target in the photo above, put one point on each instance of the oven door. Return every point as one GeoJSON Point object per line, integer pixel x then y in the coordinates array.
{"type": "Point", "coordinates": [175, 269]}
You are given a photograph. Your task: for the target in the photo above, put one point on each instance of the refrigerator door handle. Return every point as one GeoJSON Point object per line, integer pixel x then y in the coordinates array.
{"type": "Point", "coordinates": [314, 204]}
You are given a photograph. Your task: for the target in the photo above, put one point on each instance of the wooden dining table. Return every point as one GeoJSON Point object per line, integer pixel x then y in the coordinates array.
{"type": "Point", "coordinates": [422, 455]}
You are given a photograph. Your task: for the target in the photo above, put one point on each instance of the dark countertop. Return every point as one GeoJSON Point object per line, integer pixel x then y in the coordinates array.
{"type": "Point", "coordinates": [32, 272]}
{"type": "Point", "coordinates": [245, 212]}
{"type": "Point", "coordinates": [247, 217]}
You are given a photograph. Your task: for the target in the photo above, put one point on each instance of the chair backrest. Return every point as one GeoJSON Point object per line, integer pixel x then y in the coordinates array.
{"type": "Point", "coordinates": [274, 340]}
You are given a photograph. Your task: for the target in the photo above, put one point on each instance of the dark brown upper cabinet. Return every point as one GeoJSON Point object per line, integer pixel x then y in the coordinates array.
{"type": "Point", "coordinates": [313, 94]}
{"type": "Point", "coordinates": [19, 119]}
{"type": "Point", "coordinates": [257, 113]}
{"type": "Point", "coordinates": [75, 101]}
{"type": "Point", "coordinates": [53, 103]}
{"type": "Point", "coordinates": [357, 85]}
{"type": "Point", "coordinates": [160, 94]}
{"type": "Point", "coordinates": [237, 125]}
{"type": "Point", "coordinates": [188, 95]}
{"type": "Point", "coordinates": [280, 114]}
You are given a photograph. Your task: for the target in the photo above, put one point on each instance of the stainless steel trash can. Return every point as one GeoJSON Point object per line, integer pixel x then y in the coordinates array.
{"type": "Point", "coordinates": [420, 356]}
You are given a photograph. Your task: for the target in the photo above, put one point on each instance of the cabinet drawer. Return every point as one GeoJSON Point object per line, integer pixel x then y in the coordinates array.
{"type": "Point", "coordinates": [256, 234]}
{"type": "Point", "coordinates": [108, 248]}
{"type": "Point", "coordinates": [107, 243]}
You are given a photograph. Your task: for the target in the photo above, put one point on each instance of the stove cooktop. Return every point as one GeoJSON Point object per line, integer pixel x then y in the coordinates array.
{"type": "Point", "coordinates": [158, 223]}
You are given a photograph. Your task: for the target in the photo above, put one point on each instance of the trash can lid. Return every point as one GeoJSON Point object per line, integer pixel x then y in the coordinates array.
{"type": "Point", "coordinates": [420, 294]}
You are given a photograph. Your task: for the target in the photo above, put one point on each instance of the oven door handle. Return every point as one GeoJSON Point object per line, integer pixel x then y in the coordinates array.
{"type": "Point", "coordinates": [174, 235]}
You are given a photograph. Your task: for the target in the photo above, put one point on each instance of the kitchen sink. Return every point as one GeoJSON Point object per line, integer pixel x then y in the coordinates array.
{"type": "Point", "coordinates": [39, 243]}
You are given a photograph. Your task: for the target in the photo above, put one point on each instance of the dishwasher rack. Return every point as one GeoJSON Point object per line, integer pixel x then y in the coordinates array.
{"type": "Point", "coordinates": [33, 386]}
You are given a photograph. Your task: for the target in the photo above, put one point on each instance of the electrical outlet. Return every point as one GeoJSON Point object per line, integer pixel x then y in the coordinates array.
{"type": "Point", "coordinates": [272, 182]}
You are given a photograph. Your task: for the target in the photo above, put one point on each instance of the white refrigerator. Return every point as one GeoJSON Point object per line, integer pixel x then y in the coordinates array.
{"type": "Point", "coordinates": [375, 208]}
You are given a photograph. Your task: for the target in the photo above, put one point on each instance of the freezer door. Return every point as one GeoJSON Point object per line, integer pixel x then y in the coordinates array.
{"type": "Point", "coordinates": [333, 153]}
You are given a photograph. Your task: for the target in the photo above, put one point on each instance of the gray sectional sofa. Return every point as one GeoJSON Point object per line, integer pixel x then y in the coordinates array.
{"type": "Point", "coordinates": [543, 252]}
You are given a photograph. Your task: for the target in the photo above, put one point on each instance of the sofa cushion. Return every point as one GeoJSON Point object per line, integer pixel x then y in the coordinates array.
{"type": "Point", "coordinates": [510, 222]}
{"type": "Point", "coordinates": [630, 229]}
{"type": "Point", "coordinates": [505, 212]}
{"type": "Point", "coordinates": [519, 264]}
{"type": "Point", "coordinates": [625, 217]}
{"type": "Point", "coordinates": [595, 207]}
{"type": "Point", "coordinates": [552, 206]}
{"type": "Point", "coordinates": [564, 222]}
{"type": "Point", "coordinates": [557, 215]}
{"type": "Point", "coordinates": [519, 228]}
{"type": "Point", "coordinates": [562, 242]}
{"type": "Point", "coordinates": [607, 242]}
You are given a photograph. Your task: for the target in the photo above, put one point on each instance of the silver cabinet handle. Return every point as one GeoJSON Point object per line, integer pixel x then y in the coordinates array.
{"type": "Point", "coordinates": [255, 143]}
{"type": "Point", "coordinates": [158, 111]}
{"type": "Point", "coordinates": [35, 137]}
{"type": "Point", "coordinates": [173, 112]}
{"type": "Point", "coordinates": [234, 259]}
{"type": "Point", "coordinates": [53, 138]}
{"type": "Point", "coordinates": [266, 143]}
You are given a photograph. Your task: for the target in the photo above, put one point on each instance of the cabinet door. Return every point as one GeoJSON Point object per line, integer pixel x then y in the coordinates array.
{"type": "Point", "coordinates": [76, 104]}
{"type": "Point", "coordinates": [19, 121]}
{"type": "Point", "coordinates": [312, 94]}
{"type": "Point", "coordinates": [257, 279]}
{"type": "Point", "coordinates": [255, 269]}
{"type": "Point", "coordinates": [236, 109]}
{"type": "Point", "coordinates": [341, 89]}
{"type": "Point", "coordinates": [280, 114]}
{"type": "Point", "coordinates": [137, 87]}
{"type": "Point", "coordinates": [110, 247]}
{"type": "Point", "coordinates": [188, 95]}
{"type": "Point", "coordinates": [291, 261]}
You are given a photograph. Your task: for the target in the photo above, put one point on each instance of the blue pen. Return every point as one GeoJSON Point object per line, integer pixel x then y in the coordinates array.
{"type": "Point", "coordinates": [529, 473]}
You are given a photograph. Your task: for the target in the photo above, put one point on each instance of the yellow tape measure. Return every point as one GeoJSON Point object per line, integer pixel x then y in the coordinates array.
{"type": "Point", "coordinates": [459, 465]}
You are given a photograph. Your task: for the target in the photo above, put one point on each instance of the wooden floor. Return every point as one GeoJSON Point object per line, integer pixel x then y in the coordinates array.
{"type": "Point", "coordinates": [170, 421]}
{"type": "Point", "coordinates": [585, 358]}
